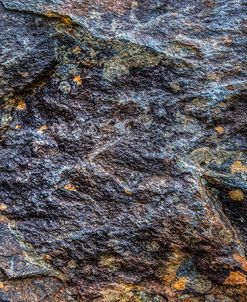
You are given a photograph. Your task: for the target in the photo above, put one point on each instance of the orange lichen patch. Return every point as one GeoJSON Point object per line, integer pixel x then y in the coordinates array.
{"type": "Point", "coordinates": [172, 266]}
{"type": "Point", "coordinates": [3, 207]}
{"type": "Point", "coordinates": [76, 50]}
{"type": "Point", "coordinates": [235, 278]}
{"type": "Point", "coordinates": [42, 129]}
{"type": "Point", "coordinates": [236, 195]}
{"type": "Point", "coordinates": [2, 286]}
{"type": "Point", "coordinates": [17, 127]}
{"type": "Point", "coordinates": [66, 20]}
{"type": "Point", "coordinates": [238, 167]}
{"type": "Point", "coordinates": [180, 284]}
{"type": "Point", "coordinates": [21, 105]}
{"type": "Point", "coordinates": [168, 274]}
{"type": "Point", "coordinates": [70, 187]}
{"type": "Point", "coordinates": [219, 129]}
{"type": "Point", "coordinates": [241, 260]}
{"type": "Point", "coordinates": [77, 79]}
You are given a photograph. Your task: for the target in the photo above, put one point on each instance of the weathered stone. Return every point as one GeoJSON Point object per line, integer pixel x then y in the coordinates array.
{"type": "Point", "coordinates": [122, 161]}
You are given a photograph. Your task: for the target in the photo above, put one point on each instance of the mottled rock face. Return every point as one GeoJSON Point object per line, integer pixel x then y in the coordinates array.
{"type": "Point", "coordinates": [122, 161]}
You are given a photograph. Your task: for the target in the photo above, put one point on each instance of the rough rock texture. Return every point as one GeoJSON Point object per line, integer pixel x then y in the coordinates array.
{"type": "Point", "coordinates": [122, 161]}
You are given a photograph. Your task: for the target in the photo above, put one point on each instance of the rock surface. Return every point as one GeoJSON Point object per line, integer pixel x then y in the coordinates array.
{"type": "Point", "coordinates": [123, 151]}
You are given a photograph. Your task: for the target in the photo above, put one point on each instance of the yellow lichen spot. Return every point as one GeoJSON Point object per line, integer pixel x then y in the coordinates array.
{"type": "Point", "coordinates": [70, 187]}
{"type": "Point", "coordinates": [219, 129]}
{"type": "Point", "coordinates": [238, 167]}
{"type": "Point", "coordinates": [241, 260]}
{"type": "Point", "coordinates": [77, 79]}
{"type": "Point", "coordinates": [180, 284]}
{"type": "Point", "coordinates": [17, 127]}
{"type": "Point", "coordinates": [77, 50]}
{"type": "Point", "coordinates": [128, 191]}
{"type": "Point", "coordinates": [42, 129]}
{"type": "Point", "coordinates": [236, 195]}
{"type": "Point", "coordinates": [235, 278]}
{"type": "Point", "coordinates": [3, 207]}
{"type": "Point", "coordinates": [21, 105]}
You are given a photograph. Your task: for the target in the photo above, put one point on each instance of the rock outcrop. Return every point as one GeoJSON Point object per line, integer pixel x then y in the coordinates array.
{"type": "Point", "coordinates": [123, 151]}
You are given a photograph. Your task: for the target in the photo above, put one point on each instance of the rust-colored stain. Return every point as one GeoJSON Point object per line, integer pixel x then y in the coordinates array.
{"type": "Point", "coordinates": [21, 105]}
{"type": "Point", "coordinates": [70, 187]}
{"type": "Point", "coordinates": [241, 260]}
{"type": "Point", "coordinates": [238, 167]}
{"type": "Point", "coordinates": [235, 278]}
{"type": "Point", "coordinates": [236, 195]}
